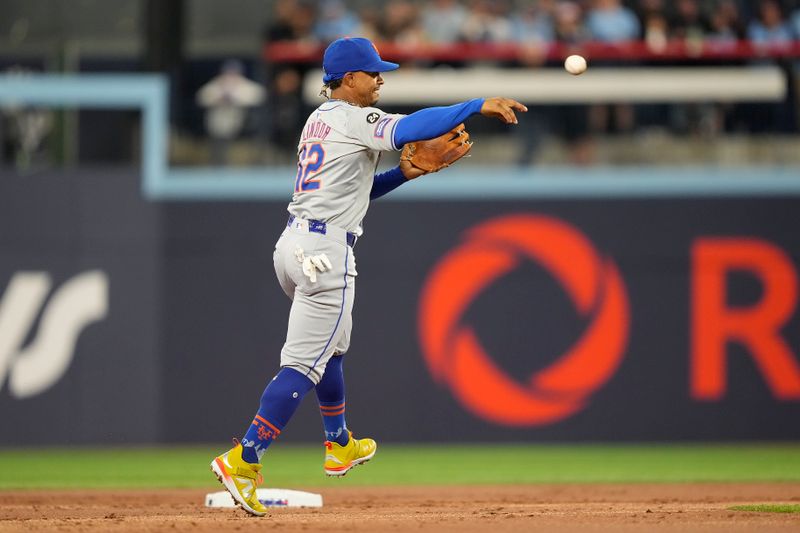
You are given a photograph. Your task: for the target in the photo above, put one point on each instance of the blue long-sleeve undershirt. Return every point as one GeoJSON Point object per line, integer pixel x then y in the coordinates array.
{"type": "Point", "coordinates": [386, 182]}
{"type": "Point", "coordinates": [434, 121]}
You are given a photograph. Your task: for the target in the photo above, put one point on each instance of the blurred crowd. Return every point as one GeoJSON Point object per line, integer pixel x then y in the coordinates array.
{"type": "Point", "coordinates": [534, 25]}
{"type": "Point", "coordinates": [218, 103]}
{"type": "Point", "coordinates": [524, 21]}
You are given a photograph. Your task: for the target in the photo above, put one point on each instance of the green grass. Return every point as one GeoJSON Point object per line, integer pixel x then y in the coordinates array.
{"type": "Point", "coordinates": [768, 508]}
{"type": "Point", "coordinates": [301, 466]}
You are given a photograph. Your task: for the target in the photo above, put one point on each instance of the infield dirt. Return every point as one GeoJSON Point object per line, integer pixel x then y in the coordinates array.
{"type": "Point", "coordinates": [663, 507]}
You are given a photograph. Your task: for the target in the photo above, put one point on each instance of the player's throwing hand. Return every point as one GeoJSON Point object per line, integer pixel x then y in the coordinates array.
{"type": "Point", "coordinates": [502, 108]}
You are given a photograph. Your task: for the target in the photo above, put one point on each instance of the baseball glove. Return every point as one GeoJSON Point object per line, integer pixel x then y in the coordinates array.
{"type": "Point", "coordinates": [435, 154]}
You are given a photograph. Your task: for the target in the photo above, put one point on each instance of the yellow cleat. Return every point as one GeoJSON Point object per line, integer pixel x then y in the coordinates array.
{"type": "Point", "coordinates": [340, 459]}
{"type": "Point", "coordinates": [240, 478]}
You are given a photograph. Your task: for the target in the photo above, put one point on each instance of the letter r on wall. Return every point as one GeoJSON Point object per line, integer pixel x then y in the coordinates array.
{"type": "Point", "coordinates": [755, 327]}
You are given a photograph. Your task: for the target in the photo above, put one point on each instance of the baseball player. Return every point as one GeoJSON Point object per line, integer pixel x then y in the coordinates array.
{"type": "Point", "coordinates": [338, 155]}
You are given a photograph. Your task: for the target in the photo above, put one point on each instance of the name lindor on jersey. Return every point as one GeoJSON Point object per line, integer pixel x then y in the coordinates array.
{"type": "Point", "coordinates": [316, 129]}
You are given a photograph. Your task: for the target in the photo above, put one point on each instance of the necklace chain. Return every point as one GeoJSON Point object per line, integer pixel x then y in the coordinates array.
{"type": "Point", "coordinates": [343, 100]}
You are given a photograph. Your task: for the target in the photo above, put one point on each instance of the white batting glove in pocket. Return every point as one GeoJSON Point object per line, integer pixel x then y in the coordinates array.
{"type": "Point", "coordinates": [313, 263]}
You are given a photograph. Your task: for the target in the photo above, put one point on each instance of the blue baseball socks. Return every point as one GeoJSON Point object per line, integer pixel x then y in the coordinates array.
{"type": "Point", "coordinates": [330, 394]}
{"type": "Point", "coordinates": [278, 403]}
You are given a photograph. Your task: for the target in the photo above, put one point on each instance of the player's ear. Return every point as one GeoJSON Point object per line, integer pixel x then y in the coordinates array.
{"type": "Point", "coordinates": [349, 79]}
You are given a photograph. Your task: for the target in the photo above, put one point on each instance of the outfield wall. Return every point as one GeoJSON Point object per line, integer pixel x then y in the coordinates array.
{"type": "Point", "coordinates": [123, 320]}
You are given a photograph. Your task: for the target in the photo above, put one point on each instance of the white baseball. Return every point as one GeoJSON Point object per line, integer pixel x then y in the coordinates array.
{"type": "Point", "coordinates": [575, 65]}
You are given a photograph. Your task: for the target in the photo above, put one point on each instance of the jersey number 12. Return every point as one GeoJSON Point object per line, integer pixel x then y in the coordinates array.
{"type": "Point", "coordinates": [309, 163]}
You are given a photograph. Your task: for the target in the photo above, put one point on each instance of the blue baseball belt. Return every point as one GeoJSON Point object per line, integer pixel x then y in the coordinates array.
{"type": "Point", "coordinates": [317, 226]}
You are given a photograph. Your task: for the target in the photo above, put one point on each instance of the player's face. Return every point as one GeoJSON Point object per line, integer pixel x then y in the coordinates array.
{"type": "Point", "coordinates": [367, 86]}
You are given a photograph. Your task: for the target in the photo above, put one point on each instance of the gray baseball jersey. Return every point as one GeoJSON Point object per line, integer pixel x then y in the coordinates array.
{"type": "Point", "coordinates": [338, 153]}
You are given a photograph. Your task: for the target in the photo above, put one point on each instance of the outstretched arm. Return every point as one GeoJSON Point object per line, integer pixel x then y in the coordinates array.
{"type": "Point", "coordinates": [432, 122]}
{"type": "Point", "coordinates": [435, 121]}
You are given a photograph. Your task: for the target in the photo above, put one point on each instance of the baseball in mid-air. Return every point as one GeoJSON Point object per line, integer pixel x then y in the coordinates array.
{"type": "Point", "coordinates": [575, 65]}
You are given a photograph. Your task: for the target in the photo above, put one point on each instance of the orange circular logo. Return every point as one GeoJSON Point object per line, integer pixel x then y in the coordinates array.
{"type": "Point", "coordinates": [454, 353]}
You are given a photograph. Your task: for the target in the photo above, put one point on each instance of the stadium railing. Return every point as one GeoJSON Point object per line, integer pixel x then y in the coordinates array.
{"type": "Point", "coordinates": [628, 51]}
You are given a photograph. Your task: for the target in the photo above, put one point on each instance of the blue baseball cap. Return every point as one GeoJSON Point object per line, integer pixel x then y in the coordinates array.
{"type": "Point", "coordinates": [351, 55]}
